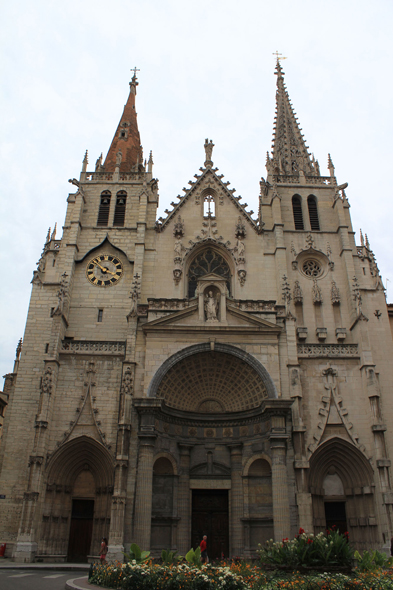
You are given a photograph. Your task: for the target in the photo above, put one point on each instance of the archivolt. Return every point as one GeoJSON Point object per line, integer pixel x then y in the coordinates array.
{"type": "Point", "coordinates": [350, 464]}
{"type": "Point", "coordinates": [68, 461]}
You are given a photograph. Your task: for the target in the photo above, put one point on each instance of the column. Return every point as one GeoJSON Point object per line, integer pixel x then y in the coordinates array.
{"type": "Point", "coordinates": [184, 508]}
{"type": "Point", "coordinates": [144, 492]}
{"type": "Point", "coordinates": [236, 541]}
{"type": "Point", "coordinates": [280, 489]}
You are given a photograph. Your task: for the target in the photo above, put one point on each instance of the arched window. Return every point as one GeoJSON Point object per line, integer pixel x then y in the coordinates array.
{"type": "Point", "coordinates": [207, 261]}
{"type": "Point", "coordinates": [297, 212]}
{"type": "Point", "coordinates": [120, 209]}
{"type": "Point", "coordinates": [103, 212]}
{"type": "Point", "coordinates": [313, 213]}
{"type": "Point", "coordinates": [209, 206]}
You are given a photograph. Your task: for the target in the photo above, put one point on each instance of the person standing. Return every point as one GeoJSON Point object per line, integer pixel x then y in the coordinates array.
{"type": "Point", "coordinates": [103, 549]}
{"type": "Point", "coordinates": [203, 546]}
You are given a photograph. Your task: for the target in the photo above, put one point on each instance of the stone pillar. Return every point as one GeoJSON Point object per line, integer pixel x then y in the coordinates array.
{"type": "Point", "coordinates": [236, 540]}
{"type": "Point", "coordinates": [144, 491]}
{"type": "Point", "coordinates": [280, 489]}
{"type": "Point", "coordinates": [184, 508]}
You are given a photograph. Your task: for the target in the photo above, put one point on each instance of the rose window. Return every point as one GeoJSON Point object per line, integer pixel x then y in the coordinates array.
{"type": "Point", "coordinates": [312, 268]}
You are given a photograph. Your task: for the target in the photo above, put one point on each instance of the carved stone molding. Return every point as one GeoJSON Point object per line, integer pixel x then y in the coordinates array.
{"type": "Point", "coordinates": [328, 350]}
{"type": "Point", "coordinates": [93, 347]}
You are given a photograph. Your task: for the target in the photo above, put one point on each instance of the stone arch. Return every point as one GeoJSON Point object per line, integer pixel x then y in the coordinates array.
{"type": "Point", "coordinates": [258, 500]}
{"type": "Point", "coordinates": [183, 379]}
{"type": "Point", "coordinates": [215, 259]}
{"type": "Point", "coordinates": [251, 460]}
{"type": "Point", "coordinates": [81, 468]}
{"type": "Point", "coordinates": [354, 507]}
{"type": "Point", "coordinates": [170, 458]}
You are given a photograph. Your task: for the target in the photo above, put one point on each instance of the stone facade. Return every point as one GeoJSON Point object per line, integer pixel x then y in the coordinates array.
{"type": "Point", "coordinates": [214, 371]}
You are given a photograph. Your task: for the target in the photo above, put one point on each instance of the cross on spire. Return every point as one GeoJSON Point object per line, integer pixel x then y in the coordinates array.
{"type": "Point", "coordinates": [135, 70]}
{"type": "Point", "coordinates": [279, 55]}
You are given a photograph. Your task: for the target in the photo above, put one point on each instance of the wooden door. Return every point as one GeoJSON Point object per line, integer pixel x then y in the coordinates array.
{"type": "Point", "coordinates": [210, 517]}
{"type": "Point", "coordinates": [80, 530]}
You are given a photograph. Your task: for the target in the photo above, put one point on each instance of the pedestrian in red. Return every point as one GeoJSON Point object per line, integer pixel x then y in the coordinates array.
{"type": "Point", "coordinates": [203, 546]}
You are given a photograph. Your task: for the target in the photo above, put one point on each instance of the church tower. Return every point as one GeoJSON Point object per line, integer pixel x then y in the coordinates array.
{"type": "Point", "coordinates": [214, 371]}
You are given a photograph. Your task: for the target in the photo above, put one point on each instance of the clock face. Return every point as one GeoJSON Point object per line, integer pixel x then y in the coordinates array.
{"type": "Point", "coordinates": [104, 270]}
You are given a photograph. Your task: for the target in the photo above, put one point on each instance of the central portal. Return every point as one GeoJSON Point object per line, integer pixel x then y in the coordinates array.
{"type": "Point", "coordinates": [210, 517]}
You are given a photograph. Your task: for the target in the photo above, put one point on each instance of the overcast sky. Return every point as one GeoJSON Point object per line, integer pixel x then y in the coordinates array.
{"type": "Point", "coordinates": [206, 70]}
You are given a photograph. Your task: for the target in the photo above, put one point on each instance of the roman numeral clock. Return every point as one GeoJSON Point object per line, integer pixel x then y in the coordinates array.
{"type": "Point", "coordinates": [104, 270]}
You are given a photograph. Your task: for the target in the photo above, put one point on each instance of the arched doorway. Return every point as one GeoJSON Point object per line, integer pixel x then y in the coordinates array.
{"type": "Point", "coordinates": [342, 488]}
{"type": "Point", "coordinates": [76, 509]}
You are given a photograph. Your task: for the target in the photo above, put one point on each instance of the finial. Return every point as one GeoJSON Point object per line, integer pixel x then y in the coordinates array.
{"type": "Point", "coordinates": [53, 235]}
{"type": "Point", "coordinates": [330, 165]}
{"type": "Point", "coordinates": [361, 238]}
{"type": "Point", "coordinates": [150, 163]}
{"type": "Point", "coordinates": [85, 161]}
{"type": "Point", "coordinates": [367, 243]}
{"type": "Point", "coordinates": [18, 350]}
{"type": "Point", "coordinates": [48, 236]}
{"type": "Point", "coordinates": [99, 162]}
{"type": "Point", "coordinates": [209, 145]}
{"type": "Point", "coordinates": [134, 82]}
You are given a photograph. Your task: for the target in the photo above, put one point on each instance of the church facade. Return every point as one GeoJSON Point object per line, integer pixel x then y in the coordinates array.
{"type": "Point", "coordinates": [214, 371]}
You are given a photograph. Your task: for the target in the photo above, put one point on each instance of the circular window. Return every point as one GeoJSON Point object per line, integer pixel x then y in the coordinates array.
{"type": "Point", "coordinates": [312, 268]}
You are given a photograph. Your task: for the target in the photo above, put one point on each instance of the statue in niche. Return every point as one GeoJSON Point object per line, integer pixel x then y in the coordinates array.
{"type": "Point", "coordinates": [239, 248]}
{"type": "Point", "coordinates": [119, 157]}
{"type": "Point", "coordinates": [178, 249]}
{"type": "Point", "coordinates": [211, 306]}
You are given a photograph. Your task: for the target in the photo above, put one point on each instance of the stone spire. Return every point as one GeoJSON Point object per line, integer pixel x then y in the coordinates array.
{"type": "Point", "coordinates": [126, 148]}
{"type": "Point", "coordinates": [290, 155]}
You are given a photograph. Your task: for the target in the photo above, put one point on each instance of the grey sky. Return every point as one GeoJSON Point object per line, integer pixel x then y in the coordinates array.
{"type": "Point", "coordinates": [206, 71]}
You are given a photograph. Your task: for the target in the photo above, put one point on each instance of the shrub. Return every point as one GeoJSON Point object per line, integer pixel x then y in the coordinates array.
{"type": "Point", "coordinates": [325, 549]}
{"type": "Point", "coordinates": [136, 555]}
{"type": "Point", "coordinates": [372, 561]}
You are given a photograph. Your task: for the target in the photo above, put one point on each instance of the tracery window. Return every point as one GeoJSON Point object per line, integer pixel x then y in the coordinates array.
{"type": "Point", "coordinates": [313, 213]}
{"type": "Point", "coordinates": [103, 212]}
{"type": "Point", "coordinates": [297, 212]}
{"type": "Point", "coordinates": [207, 261]}
{"type": "Point", "coordinates": [312, 268]}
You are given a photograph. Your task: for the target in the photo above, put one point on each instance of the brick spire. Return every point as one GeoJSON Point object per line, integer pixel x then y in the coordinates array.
{"type": "Point", "coordinates": [290, 154]}
{"type": "Point", "coordinates": [126, 139]}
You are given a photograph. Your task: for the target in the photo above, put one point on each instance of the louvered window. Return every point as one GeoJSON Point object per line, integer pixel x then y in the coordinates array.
{"type": "Point", "coordinates": [120, 209]}
{"type": "Point", "coordinates": [297, 212]}
{"type": "Point", "coordinates": [313, 213]}
{"type": "Point", "coordinates": [103, 212]}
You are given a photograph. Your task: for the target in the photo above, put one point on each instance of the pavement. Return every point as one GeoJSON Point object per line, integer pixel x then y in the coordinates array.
{"type": "Point", "coordinates": [76, 582]}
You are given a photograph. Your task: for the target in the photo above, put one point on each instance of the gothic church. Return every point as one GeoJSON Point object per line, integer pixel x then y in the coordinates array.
{"type": "Point", "coordinates": [212, 372]}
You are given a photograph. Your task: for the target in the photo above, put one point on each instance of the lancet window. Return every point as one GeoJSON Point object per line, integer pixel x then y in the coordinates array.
{"type": "Point", "coordinates": [297, 212]}
{"type": "Point", "coordinates": [313, 213]}
{"type": "Point", "coordinates": [209, 206]}
{"type": "Point", "coordinates": [207, 261]}
{"type": "Point", "coordinates": [120, 209]}
{"type": "Point", "coordinates": [103, 212]}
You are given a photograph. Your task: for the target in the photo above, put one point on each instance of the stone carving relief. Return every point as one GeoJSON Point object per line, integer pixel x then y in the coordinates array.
{"type": "Point", "coordinates": [46, 383]}
{"type": "Point", "coordinates": [286, 291]}
{"type": "Point", "coordinates": [242, 274]}
{"type": "Point", "coordinates": [335, 294]}
{"type": "Point", "coordinates": [178, 228]}
{"type": "Point", "coordinates": [135, 293]}
{"type": "Point", "coordinates": [331, 410]}
{"type": "Point", "coordinates": [316, 293]}
{"type": "Point", "coordinates": [62, 295]}
{"type": "Point", "coordinates": [240, 229]}
{"type": "Point", "coordinates": [297, 293]}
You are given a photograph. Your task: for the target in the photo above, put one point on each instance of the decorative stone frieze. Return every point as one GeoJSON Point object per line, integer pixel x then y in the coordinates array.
{"type": "Point", "coordinates": [328, 350]}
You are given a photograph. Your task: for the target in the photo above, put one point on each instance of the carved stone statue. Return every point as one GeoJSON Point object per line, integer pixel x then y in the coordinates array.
{"type": "Point", "coordinates": [211, 306]}
{"type": "Point", "coordinates": [209, 145]}
{"type": "Point", "coordinates": [119, 157]}
{"type": "Point", "coordinates": [178, 249]}
{"type": "Point", "coordinates": [240, 248]}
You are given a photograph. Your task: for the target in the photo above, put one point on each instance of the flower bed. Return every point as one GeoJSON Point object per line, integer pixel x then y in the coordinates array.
{"type": "Point", "coordinates": [228, 576]}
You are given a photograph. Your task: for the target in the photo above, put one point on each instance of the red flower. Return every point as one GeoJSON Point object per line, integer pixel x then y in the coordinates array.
{"type": "Point", "coordinates": [285, 540]}
{"type": "Point", "coordinates": [301, 531]}
{"type": "Point", "coordinates": [309, 541]}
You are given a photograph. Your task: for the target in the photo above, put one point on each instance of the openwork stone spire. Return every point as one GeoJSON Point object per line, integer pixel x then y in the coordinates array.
{"type": "Point", "coordinates": [290, 155]}
{"type": "Point", "coordinates": [126, 150]}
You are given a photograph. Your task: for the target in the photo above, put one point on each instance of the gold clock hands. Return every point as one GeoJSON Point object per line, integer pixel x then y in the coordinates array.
{"type": "Point", "coordinates": [104, 269]}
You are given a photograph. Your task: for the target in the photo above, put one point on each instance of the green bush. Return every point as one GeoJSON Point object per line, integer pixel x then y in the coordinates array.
{"type": "Point", "coordinates": [325, 549]}
{"type": "Point", "coordinates": [169, 557]}
{"type": "Point", "coordinates": [136, 555]}
{"type": "Point", "coordinates": [372, 561]}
